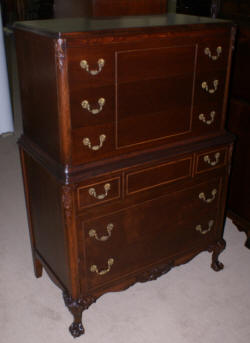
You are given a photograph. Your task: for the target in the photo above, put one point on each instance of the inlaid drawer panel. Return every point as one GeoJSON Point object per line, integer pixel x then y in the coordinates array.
{"type": "Point", "coordinates": [90, 67]}
{"type": "Point", "coordinates": [158, 175]}
{"type": "Point", "coordinates": [213, 53]}
{"type": "Point", "coordinates": [91, 108]}
{"type": "Point", "coordinates": [150, 110]}
{"type": "Point", "coordinates": [211, 159]}
{"type": "Point", "coordinates": [150, 63]}
{"type": "Point", "coordinates": [154, 101]}
{"type": "Point", "coordinates": [121, 243]}
{"type": "Point", "coordinates": [99, 192]}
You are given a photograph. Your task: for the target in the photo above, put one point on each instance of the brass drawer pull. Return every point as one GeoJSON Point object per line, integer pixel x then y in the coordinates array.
{"type": "Point", "coordinates": [85, 105]}
{"type": "Point", "coordinates": [204, 86]}
{"type": "Point", "coordinates": [92, 192]}
{"type": "Point", "coordinates": [86, 142]}
{"type": "Point", "coordinates": [207, 52]}
{"type": "Point", "coordinates": [94, 268]}
{"type": "Point", "coordinates": [204, 232]}
{"type": "Point", "coordinates": [209, 121]}
{"type": "Point", "coordinates": [84, 65]}
{"type": "Point", "coordinates": [208, 200]}
{"type": "Point", "coordinates": [212, 163]}
{"type": "Point", "coordinates": [92, 233]}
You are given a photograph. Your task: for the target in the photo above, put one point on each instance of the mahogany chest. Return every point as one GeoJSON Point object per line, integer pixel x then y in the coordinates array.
{"type": "Point", "coordinates": [124, 153]}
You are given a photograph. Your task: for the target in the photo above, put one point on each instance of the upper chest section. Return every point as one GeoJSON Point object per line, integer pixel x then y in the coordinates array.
{"type": "Point", "coordinates": [130, 93]}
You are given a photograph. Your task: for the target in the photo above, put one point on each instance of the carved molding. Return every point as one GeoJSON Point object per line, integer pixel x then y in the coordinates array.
{"type": "Point", "coordinates": [60, 53]}
{"type": "Point", "coordinates": [155, 272]}
{"type": "Point", "coordinates": [82, 303]}
{"type": "Point", "coordinates": [67, 201]}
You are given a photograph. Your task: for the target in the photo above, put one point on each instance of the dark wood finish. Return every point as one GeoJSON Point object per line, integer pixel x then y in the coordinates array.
{"type": "Point", "coordinates": [100, 8]}
{"type": "Point", "coordinates": [106, 214]}
{"type": "Point", "coordinates": [239, 194]}
{"type": "Point", "coordinates": [239, 116]}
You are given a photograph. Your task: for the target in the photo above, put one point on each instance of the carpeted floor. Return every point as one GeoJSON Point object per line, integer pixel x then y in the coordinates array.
{"type": "Point", "coordinates": [191, 304]}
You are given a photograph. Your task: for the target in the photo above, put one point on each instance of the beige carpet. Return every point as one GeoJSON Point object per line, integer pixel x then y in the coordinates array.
{"type": "Point", "coordinates": [191, 304]}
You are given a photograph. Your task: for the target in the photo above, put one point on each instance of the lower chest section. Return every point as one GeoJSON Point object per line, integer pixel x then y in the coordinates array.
{"type": "Point", "coordinates": [143, 216]}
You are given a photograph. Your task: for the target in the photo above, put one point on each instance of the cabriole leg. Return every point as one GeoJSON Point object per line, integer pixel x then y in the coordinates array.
{"type": "Point", "coordinates": [76, 307]}
{"type": "Point", "coordinates": [216, 250]}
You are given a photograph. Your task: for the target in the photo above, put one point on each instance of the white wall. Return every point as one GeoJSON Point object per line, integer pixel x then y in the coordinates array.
{"type": "Point", "coordinates": [6, 119]}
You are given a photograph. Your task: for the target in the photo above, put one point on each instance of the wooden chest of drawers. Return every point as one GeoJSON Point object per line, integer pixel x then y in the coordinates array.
{"type": "Point", "coordinates": [124, 153]}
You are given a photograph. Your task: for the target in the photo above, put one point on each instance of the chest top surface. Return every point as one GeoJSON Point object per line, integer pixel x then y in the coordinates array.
{"type": "Point", "coordinates": [64, 27]}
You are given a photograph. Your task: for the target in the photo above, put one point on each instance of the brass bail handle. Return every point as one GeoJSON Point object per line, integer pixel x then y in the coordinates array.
{"type": "Point", "coordinates": [93, 193]}
{"type": "Point", "coordinates": [205, 231]}
{"type": "Point", "coordinates": [94, 268]}
{"type": "Point", "coordinates": [92, 233]}
{"type": "Point", "coordinates": [205, 86]}
{"type": "Point", "coordinates": [214, 162]}
{"type": "Point", "coordinates": [208, 200]}
{"type": "Point", "coordinates": [208, 52]}
{"type": "Point", "coordinates": [84, 65]}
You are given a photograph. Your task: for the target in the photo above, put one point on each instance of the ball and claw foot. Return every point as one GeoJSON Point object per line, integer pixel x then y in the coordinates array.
{"type": "Point", "coordinates": [216, 250]}
{"type": "Point", "coordinates": [217, 266]}
{"type": "Point", "coordinates": [76, 329]}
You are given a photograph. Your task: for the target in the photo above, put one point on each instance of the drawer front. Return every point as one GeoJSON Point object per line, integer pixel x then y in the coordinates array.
{"type": "Point", "coordinates": [92, 143]}
{"type": "Point", "coordinates": [92, 107]}
{"type": "Point", "coordinates": [98, 193]}
{"type": "Point", "coordinates": [90, 67]}
{"type": "Point", "coordinates": [208, 102]}
{"type": "Point", "coordinates": [155, 176]}
{"type": "Point", "coordinates": [125, 241]}
{"type": "Point", "coordinates": [210, 159]}
{"type": "Point", "coordinates": [213, 53]}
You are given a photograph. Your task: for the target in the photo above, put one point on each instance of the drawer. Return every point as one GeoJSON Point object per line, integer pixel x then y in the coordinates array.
{"type": "Point", "coordinates": [155, 176]}
{"type": "Point", "coordinates": [210, 160]}
{"type": "Point", "coordinates": [90, 67]}
{"type": "Point", "coordinates": [207, 117]}
{"type": "Point", "coordinates": [98, 193]}
{"type": "Point", "coordinates": [92, 107]}
{"type": "Point", "coordinates": [92, 143]}
{"type": "Point", "coordinates": [123, 242]}
{"type": "Point", "coordinates": [210, 88]}
{"type": "Point", "coordinates": [213, 53]}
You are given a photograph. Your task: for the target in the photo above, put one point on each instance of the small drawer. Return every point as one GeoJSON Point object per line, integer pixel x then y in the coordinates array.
{"type": "Point", "coordinates": [92, 143]}
{"type": "Point", "coordinates": [210, 87]}
{"type": "Point", "coordinates": [207, 117]}
{"type": "Point", "coordinates": [213, 53]}
{"type": "Point", "coordinates": [155, 176]}
{"type": "Point", "coordinates": [90, 107]}
{"type": "Point", "coordinates": [90, 67]}
{"type": "Point", "coordinates": [211, 159]}
{"type": "Point", "coordinates": [99, 193]}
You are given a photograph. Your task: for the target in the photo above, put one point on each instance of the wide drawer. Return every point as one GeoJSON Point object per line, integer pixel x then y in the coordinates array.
{"type": "Point", "coordinates": [125, 241]}
{"type": "Point", "coordinates": [161, 174]}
